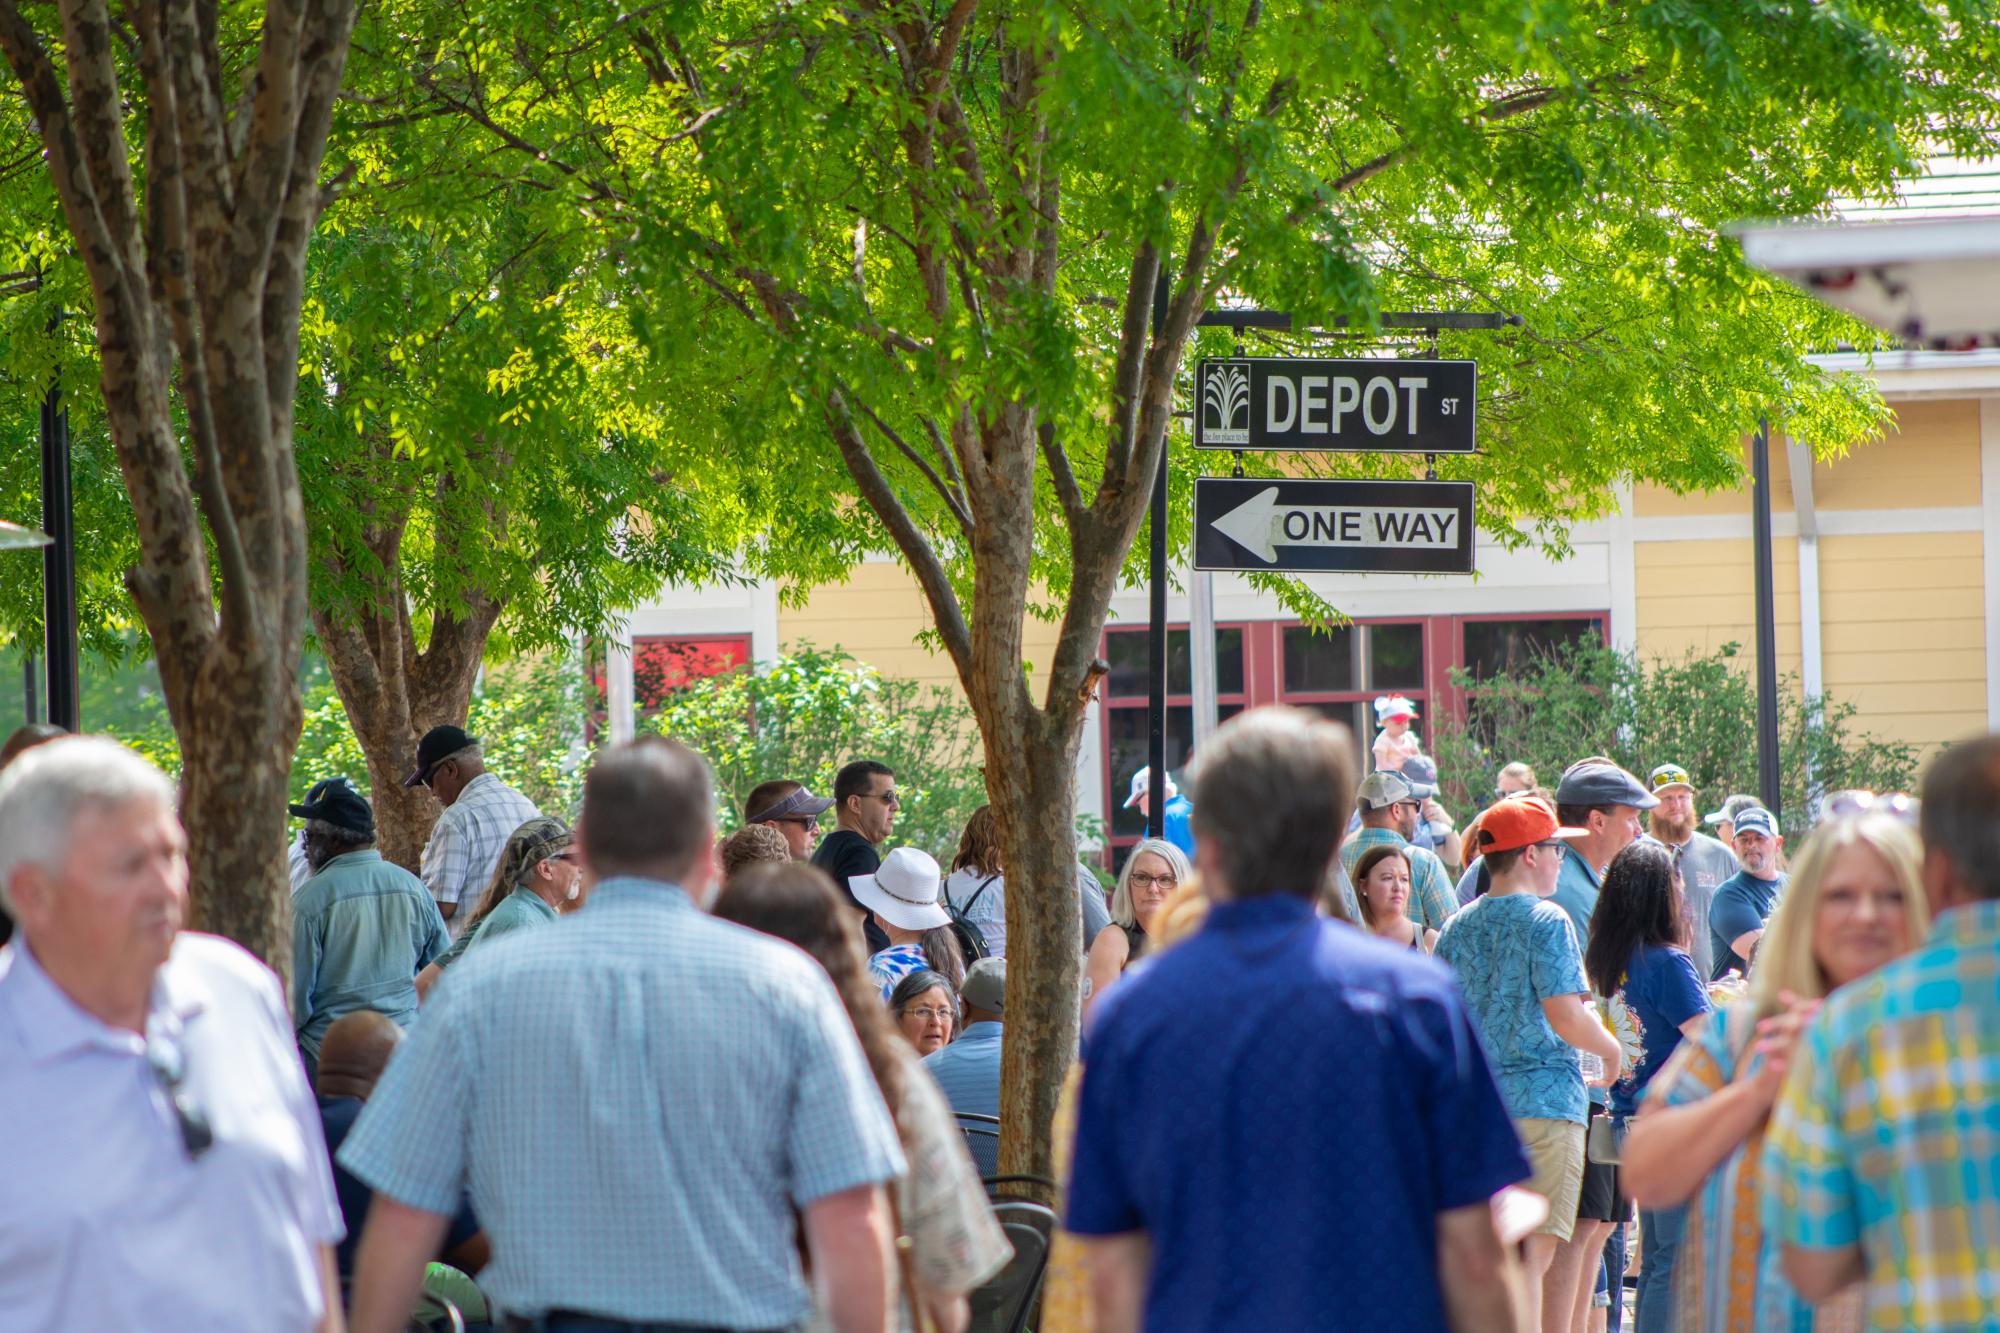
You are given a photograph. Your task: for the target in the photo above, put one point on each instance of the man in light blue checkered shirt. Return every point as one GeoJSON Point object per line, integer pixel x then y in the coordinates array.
{"type": "Point", "coordinates": [639, 1096]}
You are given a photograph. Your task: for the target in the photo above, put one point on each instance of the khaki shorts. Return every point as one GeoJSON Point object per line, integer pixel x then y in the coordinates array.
{"type": "Point", "coordinates": [1555, 1151]}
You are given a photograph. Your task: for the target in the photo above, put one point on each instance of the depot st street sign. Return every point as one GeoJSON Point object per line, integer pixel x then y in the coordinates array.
{"type": "Point", "coordinates": [1311, 526]}
{"type": "Point", "coordinates": [1287, 404]}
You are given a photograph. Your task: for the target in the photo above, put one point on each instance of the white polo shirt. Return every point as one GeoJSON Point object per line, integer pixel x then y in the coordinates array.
{"type": "Point", "coordinates": [105, 1222]}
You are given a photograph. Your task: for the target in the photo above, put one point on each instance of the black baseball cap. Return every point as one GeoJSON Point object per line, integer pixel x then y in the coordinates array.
{"type": "Point", "coordinates": [436, 744]}
{"type": "Point", "coordinates": [334, 801]}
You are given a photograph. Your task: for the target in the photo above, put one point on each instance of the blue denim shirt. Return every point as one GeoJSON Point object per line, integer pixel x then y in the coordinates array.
{"type": "Point", "coordinates": [362, 928]}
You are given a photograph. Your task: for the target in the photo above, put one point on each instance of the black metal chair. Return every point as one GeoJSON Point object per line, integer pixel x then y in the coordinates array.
{"type": "Point", "coordinates": [982, 1137]}
{"type": "Point", "coordinates": [1004, 1304]}
{"type": "Point", "coordinates": [1031, 1188]}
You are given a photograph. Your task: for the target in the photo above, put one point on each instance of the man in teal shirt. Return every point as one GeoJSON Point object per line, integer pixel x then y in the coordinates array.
{"type": "Point", "coordinates": [1599, 796]}
{"type": "Point", "coordinates": [550, 879]}
{"type": "Point", "coordinates": [362, 927]}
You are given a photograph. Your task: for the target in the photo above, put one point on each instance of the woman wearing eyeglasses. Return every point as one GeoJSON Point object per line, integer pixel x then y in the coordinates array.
{"type": "Point", "coordinates": [536, 880]}
{"type": "Point", "coordinates": [1150, 874]}
{"type": "Point", "coordinates": [925, 1010]}
{"type": "Point", "coordinates": [1853, 903]}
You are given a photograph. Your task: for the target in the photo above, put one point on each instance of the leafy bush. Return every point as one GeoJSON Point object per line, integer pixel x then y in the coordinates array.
{"type": "Point", "coordinates": [814, 710]}
{"type": "Point", "coordinates": [1699, 712]}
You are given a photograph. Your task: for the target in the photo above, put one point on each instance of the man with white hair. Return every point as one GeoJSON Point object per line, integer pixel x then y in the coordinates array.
{"type": "Point", "coordinates": [169, 1167]}
{"type": "Point", "coordinates": [480, 813]}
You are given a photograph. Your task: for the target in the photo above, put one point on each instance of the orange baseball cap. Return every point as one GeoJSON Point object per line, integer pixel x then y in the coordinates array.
{"type": "Point", "coordinates": [1521, 821]}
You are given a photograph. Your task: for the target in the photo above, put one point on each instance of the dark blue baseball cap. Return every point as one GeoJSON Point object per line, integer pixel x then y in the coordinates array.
{"type": "Point", "coordinates": [334, 801]}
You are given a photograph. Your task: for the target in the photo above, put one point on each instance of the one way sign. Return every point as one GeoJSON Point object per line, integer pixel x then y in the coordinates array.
{"type": "Point", "coordinates": [1375, 527]}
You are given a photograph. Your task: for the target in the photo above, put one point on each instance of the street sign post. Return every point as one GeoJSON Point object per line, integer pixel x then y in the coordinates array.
{"type": "Point", "coordinates": [1293, 405]}
{"type": "Point", "coordinates": [1309, 526]}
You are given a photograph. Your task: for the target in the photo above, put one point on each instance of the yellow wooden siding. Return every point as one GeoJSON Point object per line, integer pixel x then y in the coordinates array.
{"type": "Point", "coordinates": [877, 615]}
{"type": "Point", "coordinates": [1654, 501]}
{"type": "Point", "coordinates": [1904, 633]}
{"type": "Point", "coordinates": [1696, 596]}
{"type": "Point", "coordinates": [1929, 458]}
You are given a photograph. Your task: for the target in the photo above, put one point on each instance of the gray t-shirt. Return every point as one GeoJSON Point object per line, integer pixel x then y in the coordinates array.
{"type": "Point", "coordinates": [1704, 864]}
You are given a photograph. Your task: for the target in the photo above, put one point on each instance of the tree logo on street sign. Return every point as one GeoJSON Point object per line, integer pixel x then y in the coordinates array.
{"type": "Point", "coordinates": [1225, 402]}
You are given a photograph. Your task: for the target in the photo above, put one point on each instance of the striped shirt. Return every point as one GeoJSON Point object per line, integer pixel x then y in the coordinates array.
{"type": "Point", "coordinates": [1887, 1137]}
{"type": "Point", "coordinates": [1433, 897]}
{"type": "Point", "coordinates": [465, 845]}
{"type": "Point", "coordinates": [639, 1096]}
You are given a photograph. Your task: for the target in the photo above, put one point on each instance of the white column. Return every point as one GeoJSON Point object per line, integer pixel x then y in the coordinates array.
{"type": "Point", "coordinates": [1201, 652]}
{"type": "Point", "coordinates": [1623, 575]}
{"type": "Point", "coordinates": [1989, 503]}
{"type": "Point", "coordinates": [619, 708]}
{"type": "Point", "coordinates": [763, 622]}
{"type": "Point", "coordinates": [1811, 659]}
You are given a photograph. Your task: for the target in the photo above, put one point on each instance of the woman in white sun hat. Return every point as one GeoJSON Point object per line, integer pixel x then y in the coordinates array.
{"type": "Point", "coordinates": [903, 895]}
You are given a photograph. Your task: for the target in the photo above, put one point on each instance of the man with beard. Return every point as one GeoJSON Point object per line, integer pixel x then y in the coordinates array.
{"type": "Point", "coordinates": [1744, 903]}
{"type": "Point", "coordinates": [1703, 862]}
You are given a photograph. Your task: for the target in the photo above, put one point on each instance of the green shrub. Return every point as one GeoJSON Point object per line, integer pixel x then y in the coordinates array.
{"type": "Point", "coordinates": [814, 710]}
{"type": "Point", "coordinates": [1699, 712]}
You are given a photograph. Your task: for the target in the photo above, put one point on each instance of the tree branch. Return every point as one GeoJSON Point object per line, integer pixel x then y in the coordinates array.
{"type": "Point", "coordinates": [953, 500]}
{"type": "Point", "coordinates": [1071, 498]}
{"type": "Point", "coordinates": [923, 561]}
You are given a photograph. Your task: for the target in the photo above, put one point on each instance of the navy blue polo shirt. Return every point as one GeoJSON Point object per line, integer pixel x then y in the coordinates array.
{"type": "Point", "coordinates": [1285, 1105]}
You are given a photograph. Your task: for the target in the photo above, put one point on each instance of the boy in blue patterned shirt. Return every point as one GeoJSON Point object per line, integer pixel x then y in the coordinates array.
{"type": "Point", "coordinates": [1518, 963]}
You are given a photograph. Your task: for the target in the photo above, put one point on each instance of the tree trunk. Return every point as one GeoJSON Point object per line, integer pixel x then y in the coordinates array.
{"type": "Point", "coordinates": [196, 288]}
{"type": "Point", "coordinates": [235, 766]}
{"type": "Point", "coordinates": [1031, 781]}
{"type": "Point", "coordinates": [393, 695]}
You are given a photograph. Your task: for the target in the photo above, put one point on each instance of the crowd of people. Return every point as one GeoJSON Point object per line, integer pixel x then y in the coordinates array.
{"type": "Point", "coordinates": [1346, 1064]}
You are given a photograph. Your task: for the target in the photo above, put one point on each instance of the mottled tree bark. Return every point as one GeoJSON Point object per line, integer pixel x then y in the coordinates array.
{"type": "Point", "coordinates": [196, 290]}
{"type": "Point", "coordinates": [393, 692]}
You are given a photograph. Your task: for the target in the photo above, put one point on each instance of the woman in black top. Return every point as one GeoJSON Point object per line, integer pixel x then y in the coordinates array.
{"type": "Point", "coordinates": [1153, 870]}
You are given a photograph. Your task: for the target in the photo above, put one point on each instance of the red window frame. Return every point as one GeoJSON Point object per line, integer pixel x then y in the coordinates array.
{"type": "Point", "coordinates": [1264, 683]}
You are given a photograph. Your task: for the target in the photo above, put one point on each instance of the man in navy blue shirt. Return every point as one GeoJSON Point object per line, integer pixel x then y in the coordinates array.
{"type": "Point", "coordinates": [1284, 1124]}
{"type": "Point", "coordinates": [1744, 902]}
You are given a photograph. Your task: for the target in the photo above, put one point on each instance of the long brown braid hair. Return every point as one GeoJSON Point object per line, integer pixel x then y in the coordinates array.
{"type": "Point", "coordinates": [798, 903]}
{"type": "Point", "coordinates": [532, 843]}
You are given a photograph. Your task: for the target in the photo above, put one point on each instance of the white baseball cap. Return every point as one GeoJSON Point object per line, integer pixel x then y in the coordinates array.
{"type": "Point", "coordinates": [1142, 782]}
{"type": "Point", "coordinates": [904, 890]}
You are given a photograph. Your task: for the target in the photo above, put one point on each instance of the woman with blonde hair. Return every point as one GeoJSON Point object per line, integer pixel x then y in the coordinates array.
{"type": "Point", "coordinates": [1853, 903]}
{"type": "Point", "coordinates": [1149, 876]}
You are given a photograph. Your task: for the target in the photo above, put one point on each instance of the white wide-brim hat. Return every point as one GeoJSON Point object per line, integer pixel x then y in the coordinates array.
{"type": "Point", "coordinates": [903, 891]}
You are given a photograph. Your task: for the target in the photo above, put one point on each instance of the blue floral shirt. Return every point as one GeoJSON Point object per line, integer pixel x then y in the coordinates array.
{"type": "Point", "coordinates": [1511, 953]}
{"type": "Point", "coordinates": [892, 964]}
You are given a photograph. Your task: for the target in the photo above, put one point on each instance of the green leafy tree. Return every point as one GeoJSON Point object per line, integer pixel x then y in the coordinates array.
{"type": "Point", "coordinates": [913, 251]}
{"type": "Point", "coordinates": [1699, 712]}
{"type": "Point", "coordinates": [813, 710]}
{"type": "Point", "coordinates": [183, 144]}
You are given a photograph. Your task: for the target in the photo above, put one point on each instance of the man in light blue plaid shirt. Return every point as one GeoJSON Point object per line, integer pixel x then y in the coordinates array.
{"type": "Point", "coordinates": [639, 1096]}
{"type": "Point", "coordinates": [480, 813]}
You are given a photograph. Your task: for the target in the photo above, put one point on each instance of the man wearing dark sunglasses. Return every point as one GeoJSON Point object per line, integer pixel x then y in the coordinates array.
{"type": "Point", "coordinates": [789, 808]}
{"type": "Point", "coordinates": [169, 1168]}
{"type": "Point", "coordinates": [865, 805]}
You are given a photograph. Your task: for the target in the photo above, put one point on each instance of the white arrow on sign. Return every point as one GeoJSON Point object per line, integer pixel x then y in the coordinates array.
{"type": "Point", "coordinates": [1261, 524]}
